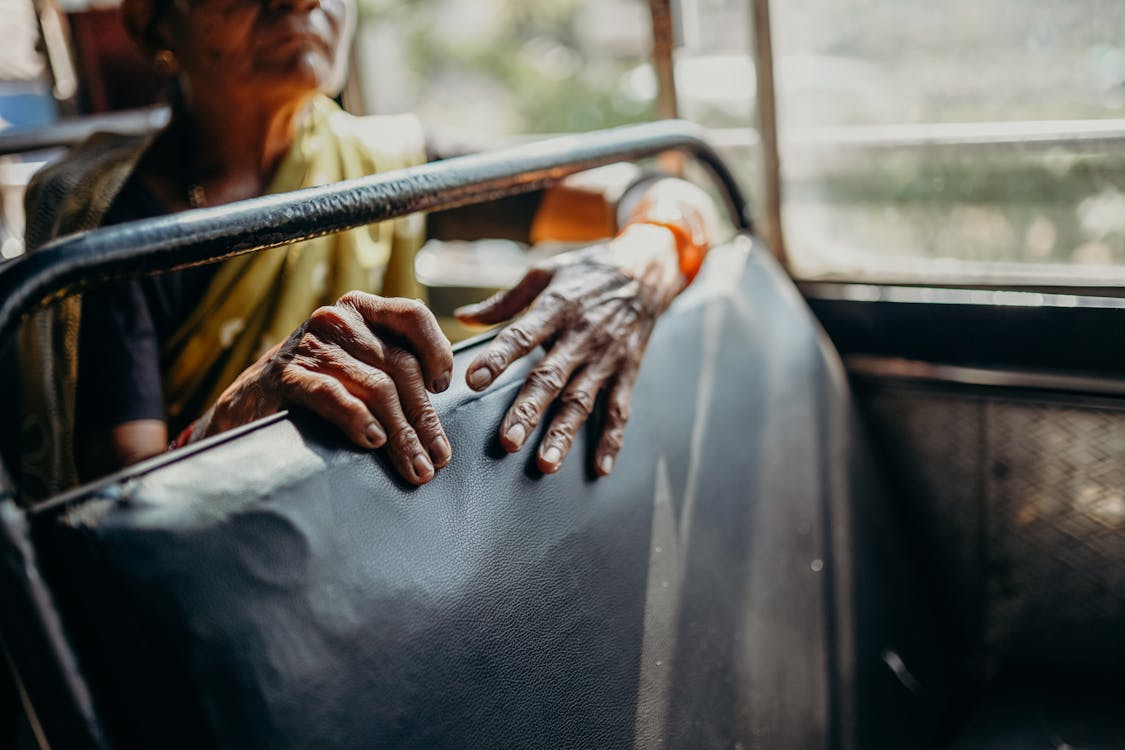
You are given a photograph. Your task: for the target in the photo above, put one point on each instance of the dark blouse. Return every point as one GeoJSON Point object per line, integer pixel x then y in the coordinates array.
{"type": "Point", "coordinates": [123, 327]}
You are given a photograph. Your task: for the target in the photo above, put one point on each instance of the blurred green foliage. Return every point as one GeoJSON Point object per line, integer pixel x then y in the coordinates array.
{"type": "Point", "coordinates": [533, 49]}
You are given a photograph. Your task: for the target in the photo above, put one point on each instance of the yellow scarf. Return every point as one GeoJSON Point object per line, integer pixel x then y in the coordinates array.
{"type": "Point", "coordinates": [257, 300]}
{"type": "Point", "coordinates": [253, 302]}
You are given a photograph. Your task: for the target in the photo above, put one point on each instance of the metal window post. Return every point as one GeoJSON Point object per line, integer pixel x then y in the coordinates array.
{"type": "Point", "coordinates": [770, 223]}
{"type": "Point", "coordinates": [663, 64]}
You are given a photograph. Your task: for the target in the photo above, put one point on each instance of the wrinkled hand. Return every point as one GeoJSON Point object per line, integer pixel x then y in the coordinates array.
{"type": "Point", "coordinates": [593, 310]}
{"type": "Point", "coordinates": [365, 365]}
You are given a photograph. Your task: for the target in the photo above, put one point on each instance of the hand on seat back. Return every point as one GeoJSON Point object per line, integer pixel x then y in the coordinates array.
{"type": "Point", "coordinates": [364, 364]}
{"type": "Point", "coordinates": [594, 310]}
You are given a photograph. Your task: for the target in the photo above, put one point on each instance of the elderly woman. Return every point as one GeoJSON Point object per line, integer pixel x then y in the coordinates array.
{"type": "Point", "coordinates": [208, 349]}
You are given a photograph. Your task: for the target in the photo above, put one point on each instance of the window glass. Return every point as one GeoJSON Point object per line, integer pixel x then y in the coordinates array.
{"type": "Point", "coordinates": [505, 66]}
{"type": "Point", "coordinates": [514, 67]}
{"type": "Point", "coordinates": [924, 139]}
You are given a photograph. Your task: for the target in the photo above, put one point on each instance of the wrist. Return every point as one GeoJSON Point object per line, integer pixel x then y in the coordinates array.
{"type": "Point", "coordinates": [238, 406]}
{"type": "Point", "coordinates": [679, 209]}
{"type": "Point", "coordinates": [194, 432]}
{"type": "Point", "coordinates": [648, 253]}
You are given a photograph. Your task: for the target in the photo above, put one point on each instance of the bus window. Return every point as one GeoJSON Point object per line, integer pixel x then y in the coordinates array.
{"type": "Point", "coordinates": [952, 139]}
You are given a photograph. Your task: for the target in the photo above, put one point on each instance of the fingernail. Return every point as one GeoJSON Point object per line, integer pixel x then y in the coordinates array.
{"type": "Point", "coordinates": [442, 381]}
{"type": "Point", "coordinates": [517, 434]}
{"type": "Point", "coordinates": [439, 451]}
{"type": "Point", "coordinates": [423, 469]}
{"type": "Point", "coordinates": [552, 456]}
{"type": "Point", "coordinates": [375, 435]}
{"type": "Point", "coordinates": [606, 464]}
{"type": "Point", "coordinates": [479, 378]}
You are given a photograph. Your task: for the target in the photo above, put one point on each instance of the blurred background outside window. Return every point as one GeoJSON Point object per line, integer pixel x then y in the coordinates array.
{"type": "Point", "coordinates": [953, 139]}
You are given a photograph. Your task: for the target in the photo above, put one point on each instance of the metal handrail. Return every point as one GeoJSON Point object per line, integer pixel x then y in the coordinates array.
{"type": "Point", "coordinates": [210, 235]}
{"type": "Point", "coordinates": [69, 132]}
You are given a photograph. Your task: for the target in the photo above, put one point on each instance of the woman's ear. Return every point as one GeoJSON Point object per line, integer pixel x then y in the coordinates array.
{"type": "Point", "coordinates": [140, 20]}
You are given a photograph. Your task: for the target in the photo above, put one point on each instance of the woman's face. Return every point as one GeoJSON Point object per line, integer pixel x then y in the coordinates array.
{"type": "Point", "coordinates": [259, 48]}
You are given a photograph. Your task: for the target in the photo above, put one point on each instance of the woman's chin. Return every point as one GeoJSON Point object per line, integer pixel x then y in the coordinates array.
{"type": "Point", "coordinates": [302, 74]}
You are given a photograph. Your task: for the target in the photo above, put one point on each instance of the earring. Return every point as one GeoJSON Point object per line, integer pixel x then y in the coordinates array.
{"type": "Point", "coordinates": [166, 62]}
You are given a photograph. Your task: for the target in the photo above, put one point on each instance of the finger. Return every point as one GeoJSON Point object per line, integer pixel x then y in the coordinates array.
{"type": "Point", "coordinates": [617, 415]}
{"type": "Point", "coordinates": [515, 341]}
{"type": "Point", "coordinates": [363, 346]}
{"type": "Point", "coordinates": [417, 328]}
{"type": "Point", "coordinates": [331, 400]}
{"type": "Point", "coordinates": [404, 368]}
{"type": "Point", "coordinates": [379, 393]}
{"type": "Point", "coordinates": [575, 406]}
{"type": "Point", "coordinates": [507, 304]}
{"type": "Point", "coordinates": [543, 385]}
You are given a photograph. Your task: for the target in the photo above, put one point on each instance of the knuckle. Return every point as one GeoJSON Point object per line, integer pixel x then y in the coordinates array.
{"type": "Point", "coordinates": [379, 385]}
{"type": "Point", "coordinates": [411, 308]}
{"type": "Point", "coordinates": [524, 412]}
{"type": "Point", "coordinates": [324, 391]}
{"type": "Point", "coordinates": [579, 399]}
{"type": "Point", "coordinates": [326, 319]}
{"type": "Point", "coordinates": [517, 337]}
{"type": "Point", "coordinates": [553, 299]}
{"type": "Point", "coordinates": [354, 299]}
{"type": "Point", "coordinates": [548, 377]}
{"type": "Point", "coordinates": [427, 421]}
{"type": "Point", "coordinates": [619, 412]}
{"type": "Point", "coordinates": [310, 347]}
{"type": "Point", "coordinates": [561, 437]}
{"type": "Point", "coordinates": [403, 441]}
{"type": "Point", "coordinates": [496, 359]}
{"type": "Point", "coordinates": [613, 439]}
{"type": "Point", "coordinates": [402, 362]}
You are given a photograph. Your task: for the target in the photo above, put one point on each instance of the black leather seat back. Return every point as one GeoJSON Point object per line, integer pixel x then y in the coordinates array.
{"type": "Point", "coordinates": [277, 588]}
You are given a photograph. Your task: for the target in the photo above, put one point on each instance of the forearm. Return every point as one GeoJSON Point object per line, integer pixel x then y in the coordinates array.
{"type": "Point", "coordinates": [502, 219]}
{"type": "Point", "coordinates": [586, 207]}
{"type": "Point", "coordinates": [105, 450]}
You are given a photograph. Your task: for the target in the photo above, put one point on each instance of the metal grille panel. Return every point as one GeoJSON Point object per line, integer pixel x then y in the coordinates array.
{"type": "Point", "coordinates": [1019, 505]}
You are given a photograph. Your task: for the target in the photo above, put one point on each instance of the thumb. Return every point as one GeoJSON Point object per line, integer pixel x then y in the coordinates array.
{"type": "Point", "coordinates": [509, 303]}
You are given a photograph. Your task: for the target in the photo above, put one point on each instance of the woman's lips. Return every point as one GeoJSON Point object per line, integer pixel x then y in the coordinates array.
{"type": "Point", "coordinates": [299, 37]}
{"type": "Point", "coordinates": [314, 23]}
{"type": "Point", "coordinates": [283, 32]}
